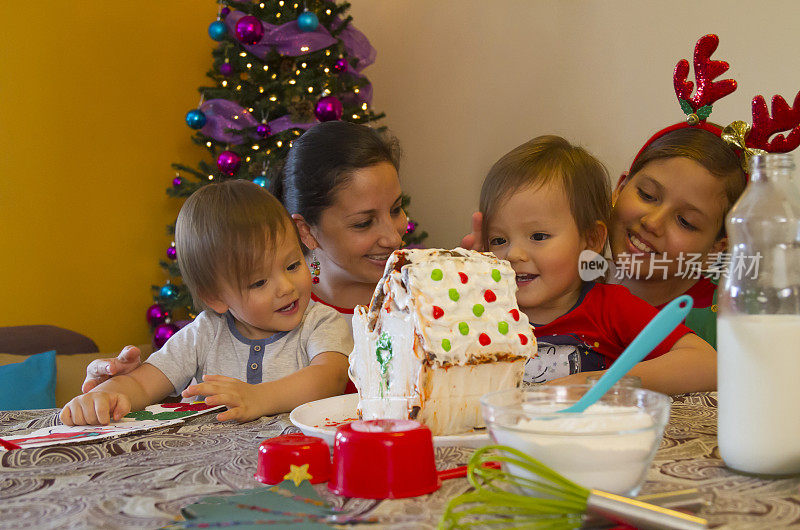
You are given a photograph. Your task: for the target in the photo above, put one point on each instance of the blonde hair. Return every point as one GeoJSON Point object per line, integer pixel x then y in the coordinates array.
{"type": "Point", "coordinates": [544, 160]}
{"type": "Point", "coordinates": [223, 233]}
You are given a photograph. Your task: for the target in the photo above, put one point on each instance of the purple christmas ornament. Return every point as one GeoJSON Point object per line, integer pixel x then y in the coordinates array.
{"type": "Point", "coordinates": [249, 30]}
{"type": "Point", "coordinates": [263, 130]}
{"type": "Point", "coordinates": [156, 314]}
{"type": "Point", "coordinates": [328, 108]}
{"type": "Point", "coordinates": [162, 334]}
{"type": "Point", "coordinates": [340, 65]}
{"type": "Point", "coordinates": [411, 226]}
{"type": "Point", "coordinates": [182, 323]}
{"type": "Point", "coordinates": [176, 182]}
{"type": "Point", "coordinates": [228, 162]}
{"type": "Point", "coordinates": [224, 12]}
{"type": "Point", "coordinates": [226, 69]}
{"type": "Point", "coordinates": [172, 253]}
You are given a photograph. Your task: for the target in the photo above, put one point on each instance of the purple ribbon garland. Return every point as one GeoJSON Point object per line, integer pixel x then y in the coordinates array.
{"type": "Point", "coordinates": [220, 118]}
{"type": "Point", "coordinates": [223, 116]}
{"type": "Point", "coordinates": [357, 45]}
{"type": "Point", "coordinates": [288, 39]}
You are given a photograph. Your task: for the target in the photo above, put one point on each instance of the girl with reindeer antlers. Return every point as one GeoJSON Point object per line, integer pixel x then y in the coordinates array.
{"type": "Point", "coordinates": [667, 228]}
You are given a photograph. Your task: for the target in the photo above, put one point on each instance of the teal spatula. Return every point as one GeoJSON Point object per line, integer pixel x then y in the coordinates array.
{"type": "Point", "coordinates": [651, 336]}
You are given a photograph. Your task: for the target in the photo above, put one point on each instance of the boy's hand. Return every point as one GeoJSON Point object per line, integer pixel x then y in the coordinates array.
{"type": "Point", "coordinates": [99, 370]}
{"type": "Point", "coordinates": [474, 240]}
{"type": "Point", "coordinates": [241, 398]}
{"type": "Point", "coordinates": [95, 408]}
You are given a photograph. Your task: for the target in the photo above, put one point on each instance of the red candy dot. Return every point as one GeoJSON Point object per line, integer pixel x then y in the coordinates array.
{"type": "Point", "coordinates": [515, 314]}
{"type": "Point", "coordinates": [489, 296]}
{"type": "Point", "coordinates": [463, 277]}
{"type": "Point", "coordinates": [523, 339]}
{"type": "Point", "coordinates": [438, 312]}
{"type": "Point", "coordinates": [485, 340]}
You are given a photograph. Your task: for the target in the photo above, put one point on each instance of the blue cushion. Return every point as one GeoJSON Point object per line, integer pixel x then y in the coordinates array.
{"type": "Point", "coordinates": [30, 384]}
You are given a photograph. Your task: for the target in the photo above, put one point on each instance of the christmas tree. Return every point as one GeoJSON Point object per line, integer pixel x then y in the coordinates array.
{"type": "Point", "coordinates": [280, 67]}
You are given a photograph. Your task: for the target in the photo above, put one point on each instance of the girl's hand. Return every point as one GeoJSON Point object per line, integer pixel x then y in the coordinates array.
{"type": "Point", "coordinates": [95, 408]}
{"type": "Point", "coordinates": [241, 398]}
{"type": "Point", "coordinates": [100, 370]}
{"type": "Point", "coordinates": [474, 240]}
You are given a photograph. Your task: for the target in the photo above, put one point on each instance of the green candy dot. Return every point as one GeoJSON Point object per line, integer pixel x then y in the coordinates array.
{"type": "Point", "coordinates": [463, 327]}
{"type": "Point", "coordinates": [502, 327]}
{"type": "Point", "coordinates": [454, 295]}
{"type": "Point", "coordinates": [477, 309]}
{"type": "Point", "coordinates": [496, 275]}
{"type": "Point", "coordinates": [445, 344]}
{"type": "Point", "coordinates": [436, 275]}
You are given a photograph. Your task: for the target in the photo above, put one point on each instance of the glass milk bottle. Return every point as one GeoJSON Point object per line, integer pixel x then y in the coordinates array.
{"type": "Point", "coordinates": [758, 325]}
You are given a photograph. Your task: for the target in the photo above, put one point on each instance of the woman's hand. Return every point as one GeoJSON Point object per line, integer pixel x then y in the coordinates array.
{"type": "Point", "coordinates": [100, 370]}
{"type": "Point", "coordinates": [242, 399]}
{"type": "Point", "coordinates": [95, 408]}
{"type": "Point", "coordinates": [474, 240]}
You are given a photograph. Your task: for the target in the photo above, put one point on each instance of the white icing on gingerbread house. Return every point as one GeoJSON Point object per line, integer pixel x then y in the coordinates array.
{"type": "Point", "coordinates": [442, 330]}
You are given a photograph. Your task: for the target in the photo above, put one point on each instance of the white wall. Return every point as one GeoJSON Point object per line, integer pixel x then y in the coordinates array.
{"type": "Point", "coordinates": [464, 81]}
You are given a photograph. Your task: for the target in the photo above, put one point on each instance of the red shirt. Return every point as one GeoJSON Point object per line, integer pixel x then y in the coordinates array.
{"type": "Point", "coordinates": [339, 309]}
{"type": "Point", "coordinates": [591, 335]}
{"type": "Point", "coordinates": [702, 293]}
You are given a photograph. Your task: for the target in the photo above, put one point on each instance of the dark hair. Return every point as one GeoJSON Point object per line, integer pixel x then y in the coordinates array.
{"type": "Point", "coordinates": [547, 159]}
{"type": "Point", "coordinates": [322, 159]}
{"type": "Point", "coordinates": [224, 231]}
{"type": "Point", "coordinates": [705, 148]}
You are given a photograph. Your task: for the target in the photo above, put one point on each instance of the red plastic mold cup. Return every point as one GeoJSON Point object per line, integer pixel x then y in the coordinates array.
{"type": "Point", "coordinates": [383, 459]}
{"type": "Point", "coordinates": [275, 455]}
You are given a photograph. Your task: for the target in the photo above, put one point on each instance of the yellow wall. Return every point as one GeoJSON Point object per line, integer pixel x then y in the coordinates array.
{"type": "Point", "coordinates": [92, 100]}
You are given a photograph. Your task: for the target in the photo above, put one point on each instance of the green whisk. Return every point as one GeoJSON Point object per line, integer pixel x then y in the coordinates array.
{"type": "Point", "coordinates": [499, 502]}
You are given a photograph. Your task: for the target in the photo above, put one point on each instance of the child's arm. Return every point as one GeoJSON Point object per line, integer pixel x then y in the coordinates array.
{"type": "Point", "coordinates": [326, 376]}
{"type": "Point", "coordinates": [690, 366]}
{"type": "Point", "coordinates": [116, 397]}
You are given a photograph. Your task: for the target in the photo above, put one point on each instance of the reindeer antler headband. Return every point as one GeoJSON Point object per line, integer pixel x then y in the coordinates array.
{"type": "Point", "coordinates": [739, 135]}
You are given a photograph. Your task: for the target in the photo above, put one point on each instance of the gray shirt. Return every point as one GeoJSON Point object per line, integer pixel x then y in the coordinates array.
{"type": "Point", "coordinates": [211, 345]}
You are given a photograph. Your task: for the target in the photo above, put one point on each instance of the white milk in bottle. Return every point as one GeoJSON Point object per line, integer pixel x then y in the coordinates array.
{"type": "Point", "coordinates": [758, 325]}
{"type": "Point", "coordinates": [759, 386]}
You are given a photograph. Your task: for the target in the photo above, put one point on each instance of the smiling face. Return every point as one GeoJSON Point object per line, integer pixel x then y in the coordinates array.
{"type": "Point", "coordinates": [276, 294]}
{"type": "Point", "coordinates": [534, 230]}
{"type": "Point", "coordinates": [672, 206]}
{"type": "Point", "coordinates": [363, 226]}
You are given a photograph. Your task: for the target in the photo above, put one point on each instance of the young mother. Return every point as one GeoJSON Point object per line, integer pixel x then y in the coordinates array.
{"type": "Point", "coordinates": [340, 185]}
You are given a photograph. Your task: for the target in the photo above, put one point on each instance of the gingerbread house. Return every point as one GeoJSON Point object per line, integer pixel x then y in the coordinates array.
{"type": "Point", "coordinates": [443, 329]}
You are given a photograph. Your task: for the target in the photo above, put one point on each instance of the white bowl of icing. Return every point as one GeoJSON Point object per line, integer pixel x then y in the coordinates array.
{"type": "Point", "coordinates": [608, 447]}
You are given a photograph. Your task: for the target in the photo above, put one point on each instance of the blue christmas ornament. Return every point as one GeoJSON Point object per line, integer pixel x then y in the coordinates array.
{"type": "Point", "coordinates": [307, 21]}
{"type": "Point", "coordinates": [217, 30]}
{"type": "Point", "coordinates": [195, 119]}
{"type": "Point", "coordinates": [169, 292]}
{"type": "Point", "coordinates": [261, 181]}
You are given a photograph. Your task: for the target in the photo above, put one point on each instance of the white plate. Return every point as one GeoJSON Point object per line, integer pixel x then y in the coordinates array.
{"type": "Point", "coordinates": [320, 418]}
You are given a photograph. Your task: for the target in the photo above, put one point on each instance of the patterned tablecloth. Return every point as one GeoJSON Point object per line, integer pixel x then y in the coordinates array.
{"type": "Point", "coordinates": [144, 481]}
